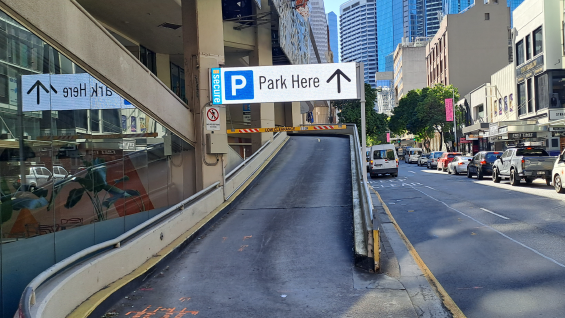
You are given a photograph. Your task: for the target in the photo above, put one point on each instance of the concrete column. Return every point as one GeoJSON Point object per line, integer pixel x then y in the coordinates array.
{"type": "Point", "coordinates": [262, 115]}
{"type": "Point", "coordinates": [292, 114]}
{"type": "Point", "coordinates": [164, 69]}
{"type": "Point", "coordinates": [203, 41]}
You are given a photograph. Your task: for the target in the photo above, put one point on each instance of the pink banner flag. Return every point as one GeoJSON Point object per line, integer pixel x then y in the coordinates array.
{"type": "Point", "coordinates": [387, 137]}
{"type": "Point", "coordinates": [449, 109]}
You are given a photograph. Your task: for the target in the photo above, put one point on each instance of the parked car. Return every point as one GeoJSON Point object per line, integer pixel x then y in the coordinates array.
{"type": "Point", "coordinates": [36, 176]}
{"type": "Point", "coordinates": [481, 165]}
{"type": "Point", "coordinates": [406, 153]}
{"type": "Point", "coordinates": [414, 155]}
{"type": "Point", "coordinates": [383, 160]}
{"type": "Point", "coordinates": [528, 163]}
{"type": "Point", "coordinates": [558, 173]}
{"type": "Point", "coordinates": [423, 160]}
{"type": "Point", "coordinates": [432, 159]}
{"type": "Point", "coordinates": [445, 159]}
{"type": "Point", "coordinates": [59, 173]}
{"type": "Point", "coordinates": [458, 164]}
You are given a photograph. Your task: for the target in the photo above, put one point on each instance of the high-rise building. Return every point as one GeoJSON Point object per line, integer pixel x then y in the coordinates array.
{"type": "Point", "coordinates": [319, 26]}
{"type": "Point", "coordinates": [358, 32]}
{"type": "Point", "coordinates": [332, 24]}
{"type": "Point", "coordinates": [513, 4]}
{"type": "Point", "coordinates": [389, 30]}
{"type": "Point", "coordinates": [414, 19]}
{"type": "Point", "coordinates": [456, 6]}
{"type": "Point", "coordinates": [434, 13]}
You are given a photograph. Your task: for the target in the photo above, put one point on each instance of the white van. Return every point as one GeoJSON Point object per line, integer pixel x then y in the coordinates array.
{"type": "Point", "coordinates": [414, 154]}
{"type": "Point", "coordinates": [383, 160]}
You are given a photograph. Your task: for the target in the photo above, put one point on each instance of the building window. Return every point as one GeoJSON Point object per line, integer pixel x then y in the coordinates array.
{"type": "Point", "coordinates": [520, 52]}
{"type": "Point", "coordinates": [177, 81]}
{"type": "Point", "coordinates": [530, 95]}
{"type": "Point", "coordinates": [522, 98]}
{"type": "Point", "coordinates": [538, 41]}
{"type": "Point", "coordinates": [487, 16]}
{"type": "Point", "coordinates": [528, 55]}
{"type": "Point", "coordinates": [148, 58]}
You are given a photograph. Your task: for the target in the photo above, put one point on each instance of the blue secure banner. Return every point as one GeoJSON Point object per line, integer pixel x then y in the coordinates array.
{"type": "Point", "coordinates": [268, 84]}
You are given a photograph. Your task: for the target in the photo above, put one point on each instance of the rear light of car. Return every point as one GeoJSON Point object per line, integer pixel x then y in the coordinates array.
{"type": "Point", "coordinates": [371, 161]}
{"type": "Point", "coordinates": [523, 164]}
{"type": "Point", "coordinates": [483, 162]}
{"type": "Point", "coordinates": [461, 163]}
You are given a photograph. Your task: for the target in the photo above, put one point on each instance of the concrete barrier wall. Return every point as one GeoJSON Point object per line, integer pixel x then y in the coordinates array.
{"type": "Point", "coordinates": [62, 294]}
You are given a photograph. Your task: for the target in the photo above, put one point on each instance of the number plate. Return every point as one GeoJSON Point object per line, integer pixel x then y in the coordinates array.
{"type": "Point", "coordinates": [541, 172]}
{"type": "Point", "coordinates": [378, 165]}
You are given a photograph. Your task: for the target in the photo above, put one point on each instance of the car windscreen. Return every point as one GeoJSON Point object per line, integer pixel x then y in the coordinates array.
{"type": "Point", "coordinates": [491, 157]}
{"type": "Point", "coordinates": [438, 154]}
{"type": "Point", "coordinates": [453, 155]}
{"type": "Point", "coordinates": [531, 152]}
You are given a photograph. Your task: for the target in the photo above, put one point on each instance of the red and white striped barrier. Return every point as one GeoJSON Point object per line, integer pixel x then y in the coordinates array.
{"type": "Point", "coordinates": [323, 127]}
{"type": "Point", "coordinates": [251, 130]}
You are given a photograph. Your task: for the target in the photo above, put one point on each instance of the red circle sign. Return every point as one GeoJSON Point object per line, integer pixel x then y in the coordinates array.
{"type": "Point", "coordinates": [213, 114]}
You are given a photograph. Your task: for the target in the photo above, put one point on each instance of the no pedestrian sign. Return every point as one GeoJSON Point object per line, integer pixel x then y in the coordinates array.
{"type": "Point", "coordinates": [269, 84]}
{"type": "Point", "coordinates": [213, 118]}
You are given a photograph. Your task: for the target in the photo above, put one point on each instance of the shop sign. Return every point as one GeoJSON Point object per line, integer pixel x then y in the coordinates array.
{"type": "Point", "coordinates": [473, 137]}
{"type": "Point", "coordinates": [553, 128]}
{"type": "Point", "coordinates": [502, 137]}
{"type": "Point", "coordinates": [523, 135]}
{"type": "Point", "coordinates": [493, 129]}
{"type": "Point", "coordinates": [502, 130]}
{"type": "Point", "coordinates": [555, 114]}
{"type": "Point", "coordinates": [463, 140]}
{"type": "Point", "coordinates": [530, 69]}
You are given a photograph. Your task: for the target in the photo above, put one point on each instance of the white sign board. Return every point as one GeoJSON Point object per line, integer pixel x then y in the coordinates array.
{"type": "Point", "coordinates": [68, 92]}
{"type": "Point", "coordinates": [213, 118]}
{"type": "Point", "coordinates": [269, 84]}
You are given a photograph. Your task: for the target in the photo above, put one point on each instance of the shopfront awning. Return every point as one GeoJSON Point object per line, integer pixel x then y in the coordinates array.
{"type": "Point", "coordinates": [475, 128]}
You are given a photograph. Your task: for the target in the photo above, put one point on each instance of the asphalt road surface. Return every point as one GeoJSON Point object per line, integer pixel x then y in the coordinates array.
{"type": "Point", "coordinates": [284, 251]}
{"type": "Point", "coordinates": [498, 250]}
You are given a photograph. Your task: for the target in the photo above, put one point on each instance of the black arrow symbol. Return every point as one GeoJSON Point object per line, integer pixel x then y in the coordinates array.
{"type": "Point", "coordinates": [37, 85]}
{"type": "Point", "coordinates": [339, 73]}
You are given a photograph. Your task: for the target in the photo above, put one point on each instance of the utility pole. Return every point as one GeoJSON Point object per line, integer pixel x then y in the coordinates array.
{"type": "Point", "coordinates": [454, 119]}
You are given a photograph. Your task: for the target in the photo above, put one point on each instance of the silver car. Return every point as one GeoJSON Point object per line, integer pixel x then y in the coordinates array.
{"type": "Point", "coordinates": [458, 165]}
{"type": "Point", "coordinates": [423, 160]}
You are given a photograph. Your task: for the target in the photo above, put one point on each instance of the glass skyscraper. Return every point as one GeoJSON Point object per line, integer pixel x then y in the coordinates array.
{"type": "Point", "coordinates": [414, 19]}
{"type": "Point", "coordinates": [389, 30]}
{"type": "Point", "coordinates": [456, 6]}
{"type": "Point", "coordinates": [358, 32]}
{"type": "Point", "coordinates": [332, 24]}
{"type": "Point", "coordinates": [434, 12]}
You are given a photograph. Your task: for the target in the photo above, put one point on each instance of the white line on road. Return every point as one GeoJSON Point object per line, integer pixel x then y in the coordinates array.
{"type": "Point", "coordinates": [412, 171]}
{"type": "Point", "coordinates": [495, 230]}
{"type": "Point", "coordinates": [430, 187]}
{"type": "Point", "coordinates": [500, 216]}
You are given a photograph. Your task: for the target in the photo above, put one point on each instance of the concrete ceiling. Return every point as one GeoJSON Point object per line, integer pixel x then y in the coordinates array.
{"type": "Point", "coordinates": [139, 21]}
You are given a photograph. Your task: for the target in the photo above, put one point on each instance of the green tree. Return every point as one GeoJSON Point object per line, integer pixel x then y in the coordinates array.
{"type": "Point", "coordinates": [350, 112]}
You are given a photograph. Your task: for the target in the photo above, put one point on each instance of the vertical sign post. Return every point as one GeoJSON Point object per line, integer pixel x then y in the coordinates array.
{"type": "Point", "coordinates": [361, 92]}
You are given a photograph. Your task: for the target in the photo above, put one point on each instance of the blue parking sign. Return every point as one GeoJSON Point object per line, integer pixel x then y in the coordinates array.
{"type": "Point", "coordinates": [239, 85]}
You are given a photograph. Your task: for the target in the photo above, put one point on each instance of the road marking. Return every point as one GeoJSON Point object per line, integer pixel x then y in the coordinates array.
{"type": "Point", "coordinates": [497, 231]}
{"type": "Point", "coordinates": [412, 171]}
{"type": "Point", "coordinates": [445, 298]}
{"type": "Point", "coordinates": [500, 216]}
{"type": "Point", "coordinates": [430, 187]}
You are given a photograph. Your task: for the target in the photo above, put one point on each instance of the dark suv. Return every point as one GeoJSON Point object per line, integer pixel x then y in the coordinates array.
{"type": "Point", "coordinates": [481, 165]}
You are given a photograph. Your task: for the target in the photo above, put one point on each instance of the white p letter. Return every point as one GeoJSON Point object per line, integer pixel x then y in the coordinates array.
{"type": "Point", "coordinates": [235, 86]}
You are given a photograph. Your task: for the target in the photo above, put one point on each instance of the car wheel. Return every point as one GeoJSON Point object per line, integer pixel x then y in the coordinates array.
{"type": "Point", "coordinates": [495, 176]}
{"type": "Point", "coordinates": [480, 174]}
{"type": "Point", "coordinates": [428, 166]}
{"type": "Point", "coordinates": [372, 176]}
{"type": "Point", "coordinates": [32, 188]}
{"type": "Point", "coordinates": [514, 178]}
{"type": "Point", "coordinates": [547, 181]}
{"type": "Point", "coordinates": [469, 174]}
{"type": "Point", "coordinates": [448, 170]}
{"type": "Point", "coordinates": [395, 175]}
{"type": "Point", "coordinates": [529, 181]}
{"type": "Point", "coordinates": [558, 185]}
{"type": "Point", "coordinates": [455, 172]}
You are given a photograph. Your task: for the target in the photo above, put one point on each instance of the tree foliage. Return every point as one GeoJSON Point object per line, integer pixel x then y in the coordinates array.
{"type": "Point", "coordinates": [422, 113]}
{"type": "Point", "coordinates": [350, 112]}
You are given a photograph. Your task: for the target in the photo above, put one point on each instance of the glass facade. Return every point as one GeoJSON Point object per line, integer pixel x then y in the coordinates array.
{"type": "Point", "coordinates": [358, 32]}
{"type": "Point", "coordinates": [434, 10]}
{"type": "Point", "coordinates": [456, 6]}
{"type": "Point", "coordinates": [389, 30]}
{"type": "Point", "coordinates": [414, 19]}
{"type": "Point", "coordinates": [78, 164]}
{"type": "Point", "coordinates": [332, 24]}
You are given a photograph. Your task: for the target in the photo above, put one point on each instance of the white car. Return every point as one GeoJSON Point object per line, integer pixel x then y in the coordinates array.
{"type": "Point", "coordinates": [383, 160]}
{"type": "Point", "coordinates": [458, 165]}
{"type": "Point", "coordinates": [558, 173]}
{"type": "Point", "coordinates": [414, 155]}
{"type": "Point", "coordinates": [423, 160]}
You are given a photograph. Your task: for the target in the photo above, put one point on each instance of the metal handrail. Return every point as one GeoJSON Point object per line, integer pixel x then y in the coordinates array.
{"type": "Point", "coordinates": [241, 165]}
{"type": "Point", "coordinates": [28, 297]}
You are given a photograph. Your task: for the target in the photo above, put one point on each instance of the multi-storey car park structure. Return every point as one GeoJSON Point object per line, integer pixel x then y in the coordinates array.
{"type": "Point", "coordinates": [358, 32]}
